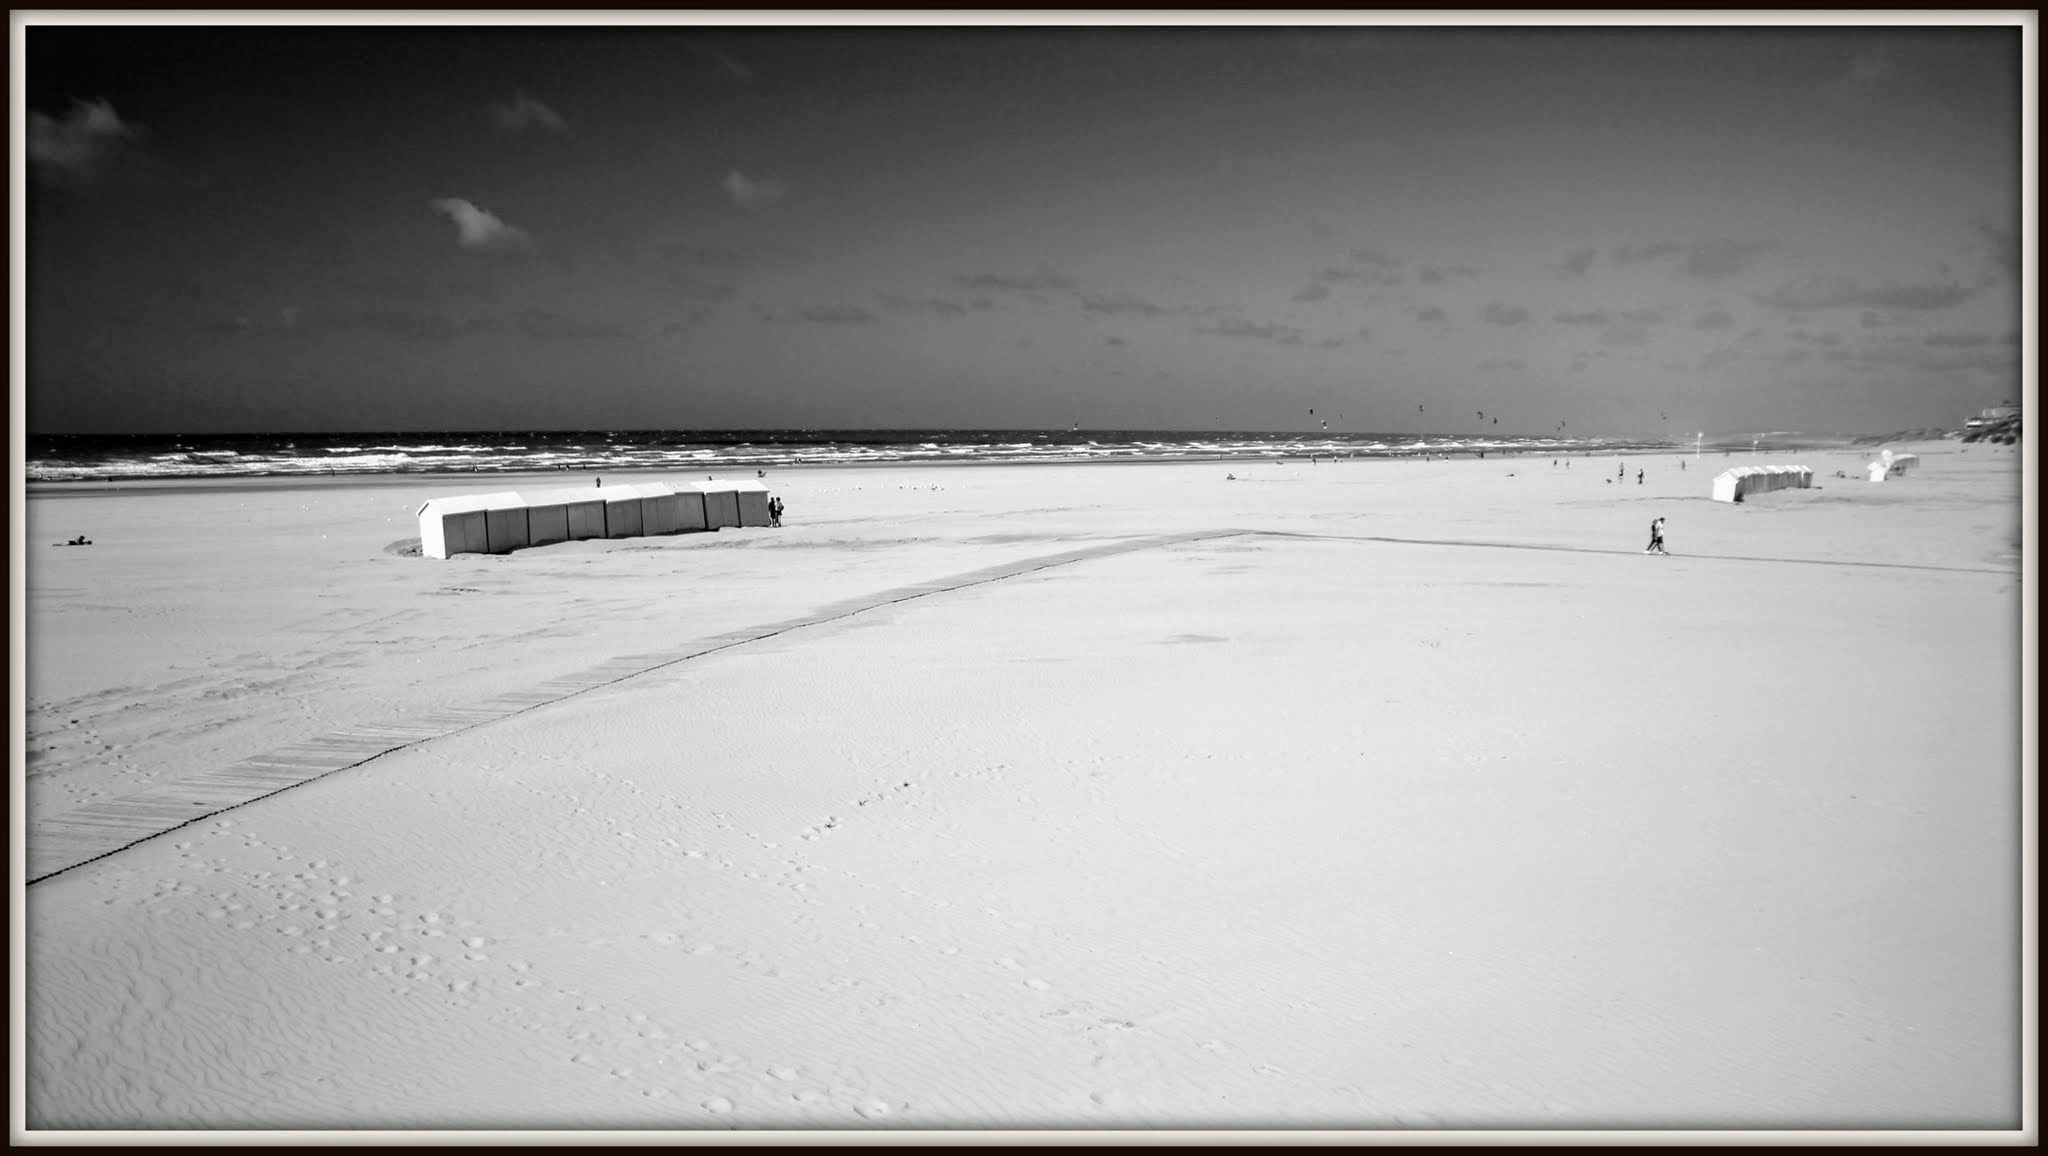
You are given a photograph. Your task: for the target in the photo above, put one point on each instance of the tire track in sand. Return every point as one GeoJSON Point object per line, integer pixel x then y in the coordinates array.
{"type": "Point", "coordinates": [104, 827]}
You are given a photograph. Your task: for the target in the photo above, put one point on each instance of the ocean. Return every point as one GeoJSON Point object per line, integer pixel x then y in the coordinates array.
{"type": "Point", "coordinates": [105, 458]}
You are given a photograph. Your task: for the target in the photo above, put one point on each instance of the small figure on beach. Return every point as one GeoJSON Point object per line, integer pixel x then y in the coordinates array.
{"type": "Point", "coordinates": [1639, 477]}
{"type": "Point", "coordinates": [599, 483]}
{"type": "Point", "coordinates": [775, 511]}
{"type": "Point", "coordinates": [760, 473]}
{"type": "Point", "coordinates": [81, 540]}
{"type": "Point", "coordinates": [1656, 545]}
{"type": "Point", "coordinates": [1230, 477]}
{"type": "Point", "coordinates": [1621, 470]}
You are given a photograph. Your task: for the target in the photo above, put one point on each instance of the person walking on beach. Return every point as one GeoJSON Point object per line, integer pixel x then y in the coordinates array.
{"type": "Point", "coordinates": [1639, 477]}
{"type": "Point", "coordinates": [1656, 545]}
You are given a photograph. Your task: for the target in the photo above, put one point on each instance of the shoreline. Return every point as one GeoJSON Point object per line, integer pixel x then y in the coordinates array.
{"type": "Point", "coordinates": [273, 482]}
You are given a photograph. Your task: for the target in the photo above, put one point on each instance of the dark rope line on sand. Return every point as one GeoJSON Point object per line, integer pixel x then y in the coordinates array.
{"type": "Point", "coordinates": [886, 598]}
{"type": "Point", "coordinates": [973, 578]}
{"type": "Point", "coordinates": [1622, 553]}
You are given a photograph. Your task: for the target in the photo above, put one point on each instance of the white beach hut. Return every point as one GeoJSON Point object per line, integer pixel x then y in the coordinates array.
{"type": "Point", "coordinates": [472, 524]}
{"type": "Point", "coordinates": [661, 508]}
{"type": "Point", "coordinates": [563, 515]}
{"type": "Point", "coordinates": [689, 506]}
{"type": "Point", "coordinates": [505, 524]}
{"type": "Point", "coordinates": [1732, 485]}
{"type": "Point", "coordinates": [1728, 484]}
{"type": "Point", "coordinates": [622, 512]}
{"type": "Point", "coordinates": [753, 503]}
{"type": "Point", "coordinates": [721, 503]}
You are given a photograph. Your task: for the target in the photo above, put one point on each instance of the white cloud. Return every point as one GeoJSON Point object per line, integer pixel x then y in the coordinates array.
{"type": "Point", "coordinates": [80, 146]}
{"type": "Point", "coordinates": [523, 112]}
{"type": "Point", "coordinates": [748, 193]}
{"type": "Point", "coordinates": [477, 228]}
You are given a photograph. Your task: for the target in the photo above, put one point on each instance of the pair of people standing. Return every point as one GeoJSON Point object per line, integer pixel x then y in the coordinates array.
{"type": "Point", "coordinates": [775, 511]}
{"type": "Point", "coordinates": [1656, 545]}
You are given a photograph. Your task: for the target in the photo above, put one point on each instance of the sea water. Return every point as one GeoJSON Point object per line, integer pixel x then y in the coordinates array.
{"type": "Point", "coordinates": [96, 457]}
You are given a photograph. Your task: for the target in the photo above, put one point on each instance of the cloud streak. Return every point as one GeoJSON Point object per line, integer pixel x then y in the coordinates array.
{"type": "Point", "coordinates": [1711, 260]}
{"type": "Point", "coordinates": [523, 112]}
{"type": "Point", "coordinates": [479, 229]}
{"type": "Point", "coordinates": [1841, 294]}
{"type": "Point", "coordinates": [1254, 330]}
{"type": "Point", "coordinates": [1043, 279]}
{"type": "Point", "coordinates": [934, 305]}
{"type": "Point", "coordinates": [730, 66]}
{"type": "Point", "coordinates": [79, 148]}
{"type": "Point", "coordinates": [429, 325]}
{"type": "Point", "coordinates": [1435, 274]}
{"type": "Point", "coordinates": [748, 193]}
{"type": "Point", "coordinates": [819, 314]}
{"type": "Point", "coordinates": [1121, 305]}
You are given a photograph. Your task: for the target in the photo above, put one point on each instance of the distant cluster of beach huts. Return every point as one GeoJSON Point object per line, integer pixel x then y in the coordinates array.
{"type": "Point", "coordinates": [1735, 484]}
{"type": "Point", "coordinates": [503, 522]}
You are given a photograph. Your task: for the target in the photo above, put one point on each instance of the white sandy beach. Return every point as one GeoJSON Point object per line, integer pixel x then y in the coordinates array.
{"type": "Point", "coordinates": [1426, 801]}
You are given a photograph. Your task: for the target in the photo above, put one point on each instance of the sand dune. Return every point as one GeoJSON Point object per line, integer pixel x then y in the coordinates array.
{"type": "Point", "coordinates": [1355, 795]}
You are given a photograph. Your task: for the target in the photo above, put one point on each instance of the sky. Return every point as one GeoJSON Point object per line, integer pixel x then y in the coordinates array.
{"type": "Point", "coordinates": [1654, 230]}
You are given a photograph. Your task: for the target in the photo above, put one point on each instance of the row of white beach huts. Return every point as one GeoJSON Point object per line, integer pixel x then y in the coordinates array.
{"type": "Point", "coordinates": [502, 522]}
{"type": "Point", "coordinates": [1735, 484]}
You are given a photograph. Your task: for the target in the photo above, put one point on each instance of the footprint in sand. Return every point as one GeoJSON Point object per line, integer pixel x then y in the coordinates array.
{"type": "Point", "coordinates": [873, 1109]}
{"type": "Point", "coordinates": [718, 1105]}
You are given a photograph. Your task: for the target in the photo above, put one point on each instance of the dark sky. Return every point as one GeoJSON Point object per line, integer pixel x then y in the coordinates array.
{"type": "Point", "coordinates": [1652, 230]}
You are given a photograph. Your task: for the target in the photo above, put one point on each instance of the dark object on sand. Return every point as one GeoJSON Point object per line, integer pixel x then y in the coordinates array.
{"type": "Point", "coordinates": [81, 540]}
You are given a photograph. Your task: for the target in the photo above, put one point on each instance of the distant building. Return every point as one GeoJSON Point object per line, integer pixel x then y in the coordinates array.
{"type": "Point", "coordinates": [1996, 413]}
